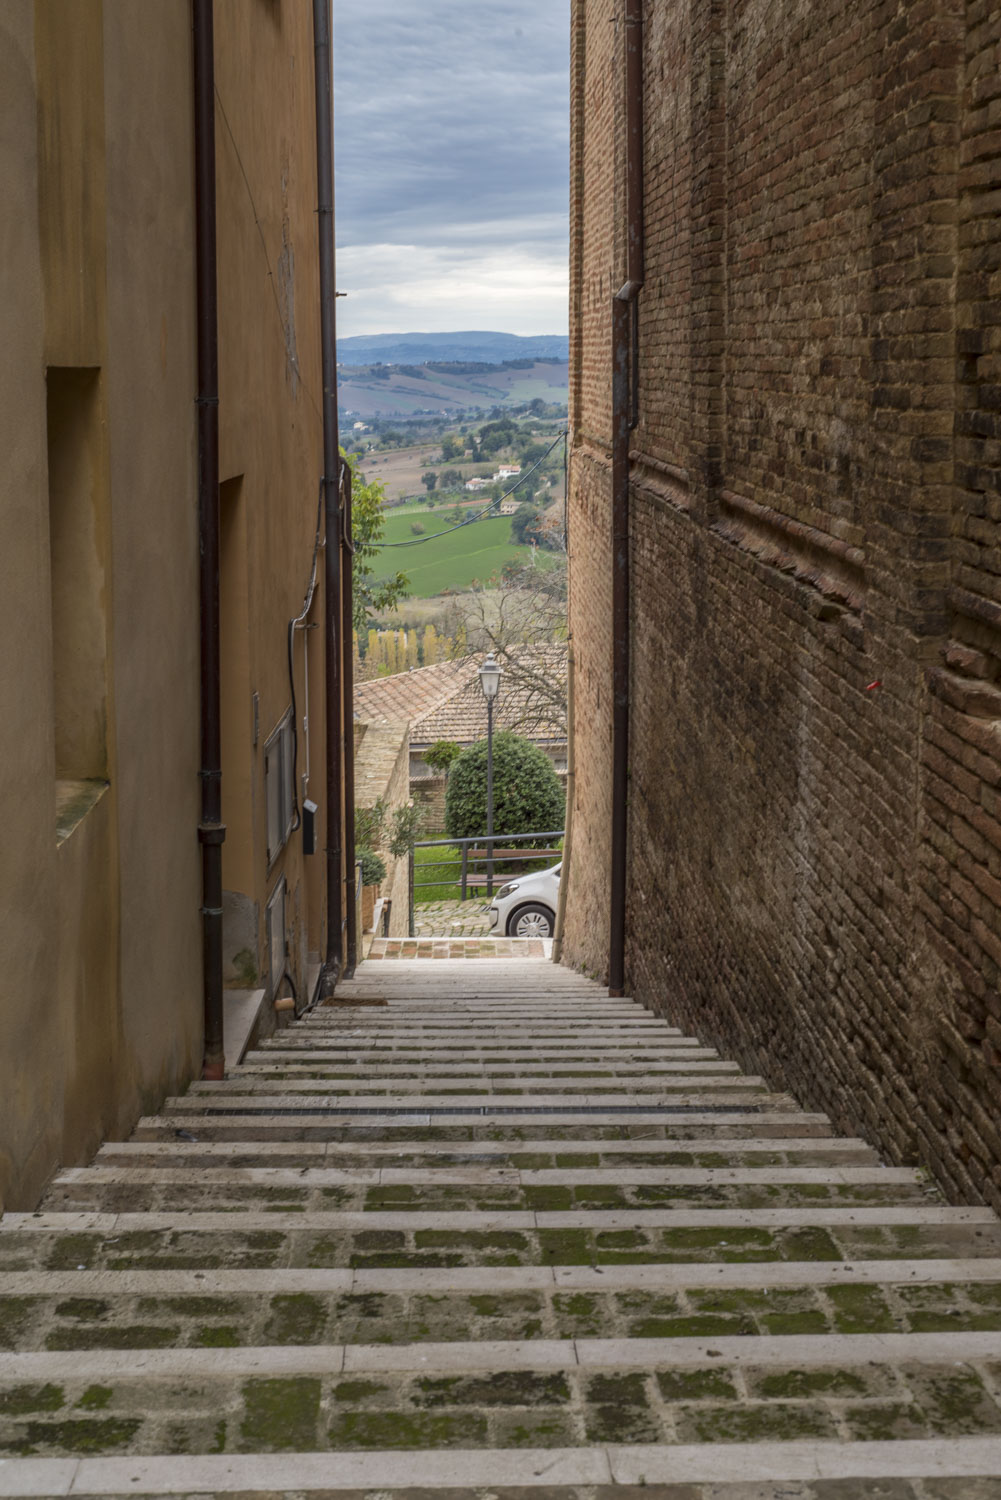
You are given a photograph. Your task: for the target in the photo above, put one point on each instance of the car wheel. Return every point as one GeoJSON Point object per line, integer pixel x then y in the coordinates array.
{"type": "Point", "coordinates": [530, 922]}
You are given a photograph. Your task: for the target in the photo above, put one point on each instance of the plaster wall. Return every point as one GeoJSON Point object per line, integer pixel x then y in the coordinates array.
{"type": "Point", "coordinates": [271, 450]}
{"type": "Point", "coordinates": [99, 931]}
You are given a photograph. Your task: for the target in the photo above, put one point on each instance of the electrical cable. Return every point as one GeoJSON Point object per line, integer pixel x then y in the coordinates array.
{"type": "Point", "coordinates": [418, 541]}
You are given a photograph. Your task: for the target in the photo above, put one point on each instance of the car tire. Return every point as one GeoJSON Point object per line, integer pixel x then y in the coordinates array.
{"type": "Point", "coordinates": [531, 921]}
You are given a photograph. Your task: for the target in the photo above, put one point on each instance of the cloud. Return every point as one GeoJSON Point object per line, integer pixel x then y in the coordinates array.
{"type": "Point", "coordinates": [452, 149]}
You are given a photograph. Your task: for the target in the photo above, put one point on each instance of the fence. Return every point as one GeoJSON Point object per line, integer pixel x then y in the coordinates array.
{"type": "Point", "coordinates": [478, 862]}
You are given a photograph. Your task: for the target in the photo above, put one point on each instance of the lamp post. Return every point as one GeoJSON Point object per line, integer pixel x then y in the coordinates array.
{"type": "Point", "coordinates": [490, 676]}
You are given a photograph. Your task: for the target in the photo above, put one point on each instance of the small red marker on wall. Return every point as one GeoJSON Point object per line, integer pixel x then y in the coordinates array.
{"type": "Point", "coordinates": [873, 686]}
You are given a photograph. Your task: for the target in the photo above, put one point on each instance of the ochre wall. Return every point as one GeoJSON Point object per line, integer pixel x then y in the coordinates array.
{"type": "Point", "coordinates": [100, 1009]}
{"type": "Point", "coordinates": [271, 438]}
{"type": "Point", "coordinates": [815, 768]}
{"type": "Point", "coordinates": [100, 929]}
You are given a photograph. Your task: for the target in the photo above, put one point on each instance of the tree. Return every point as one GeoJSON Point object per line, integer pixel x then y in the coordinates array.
{"type": "Point", "coordinates": [524, 522]}
{"type": "Point", "coordinates": [429, 480]}
{"type": "Point", "coordinates": [451, 447]}
{"type": "Point", "coordinates": [524, 623]}
{"type": "Point", "coordinates": [528, 796]}
{"type": "Point", "coordinates": [371, 593]}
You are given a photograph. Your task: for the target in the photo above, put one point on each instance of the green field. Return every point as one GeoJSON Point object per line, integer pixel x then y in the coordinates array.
{"type": "Point", "coordinates": [455, 561]}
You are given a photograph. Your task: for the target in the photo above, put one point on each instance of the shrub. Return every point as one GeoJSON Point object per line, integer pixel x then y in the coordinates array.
{"type": "Point", "coordinates": [528, 797]}
{"type": "Point", "coordinates": [373, 869]}
{"type": "Point", "coordinates": [441, 754]}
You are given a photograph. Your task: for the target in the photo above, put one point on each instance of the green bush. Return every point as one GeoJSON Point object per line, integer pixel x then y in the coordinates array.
{"type": "Point", "coordinates": [441, 754]}
{"type": "Point", "coordinates": [528, 797]}
{"type": "Point", "coordinates": [373, 869]}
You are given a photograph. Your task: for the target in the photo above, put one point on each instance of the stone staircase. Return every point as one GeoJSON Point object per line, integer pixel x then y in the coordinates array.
{"type": "Point", "coordinates": [485, 1231]}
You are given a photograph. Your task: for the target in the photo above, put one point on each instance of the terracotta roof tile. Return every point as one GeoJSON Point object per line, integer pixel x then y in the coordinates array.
{"type": "Point", "coordinates": [444, 702]}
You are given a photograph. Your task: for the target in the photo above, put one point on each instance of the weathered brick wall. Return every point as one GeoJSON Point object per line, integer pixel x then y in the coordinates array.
{"type": "Point", "coordinates": [815, 767]}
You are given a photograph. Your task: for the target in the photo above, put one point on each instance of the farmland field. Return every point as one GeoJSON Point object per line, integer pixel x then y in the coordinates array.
{"type": "Point", "coordinates": [454, 561]}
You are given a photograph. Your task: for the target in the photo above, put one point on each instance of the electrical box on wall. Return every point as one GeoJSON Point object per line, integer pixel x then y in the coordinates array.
{"type": "Point", "coordinates": [309, 826]}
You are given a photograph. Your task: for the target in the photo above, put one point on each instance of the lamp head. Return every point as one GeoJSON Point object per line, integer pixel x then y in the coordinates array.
{"type": "Point", "coordinates": [490, 676]}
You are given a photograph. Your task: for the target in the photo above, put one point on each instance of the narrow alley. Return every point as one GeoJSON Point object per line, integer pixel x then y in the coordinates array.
{"type": "Point", "coordinates": [480, 1229]}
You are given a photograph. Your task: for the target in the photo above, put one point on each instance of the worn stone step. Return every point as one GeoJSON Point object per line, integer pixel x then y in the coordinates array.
{"type": "Point", "coordinates": [704, 1219]}
{"type": "Point", "coordinates": [425, 1191]}
{"type": "Point", "coordinates": [665, 1276]}
{"type": "Point", "coordinates": [821, 1470]}
{"type": "Point", "coordinates": [535, 1154]}
{"type": "Point", "coordinates": [540, 1091]}
{"type": "Point", "coordinates": [432, 1071]}
{"type": "Point", "coordinates": [504, 1396]}
{"type": "Point", "coordinates": [451, 1174]}
{"type": "Point", "coordinates": [507, 1310]}
{"type": "Point", "coordinates": [433, 1059]}
{"type": "Point", "coordinates": [410, 1039]}
{"type": "Point", "coordinates": [479, 1126]}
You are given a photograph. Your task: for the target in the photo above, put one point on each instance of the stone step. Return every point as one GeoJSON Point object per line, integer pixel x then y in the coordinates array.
{"type": "Point", "coordinates": [482, 1124]}
{"type": "Point", "coordinates": [430, 1070]}
{"type": "Point", "coordinates": [681, 1151]}
{"type": "Point", "coordinates": [539, 1091]}
{"type": "Point", "coordinates": [451, 1174]}
{"type": "Point", "coordinates": [506, 1310]}
{"type": "Point", "coordinates": [710, 1220]}
{"type": "Point", "coordinates": [902, 1275]}
{"type": "Point", "coordinates": [473, 1190]}
{"type": "Point", "coordinates": [716, 1352]}
{"type": "Point", "coordinates": [598, 1472]}
{"type": "Point", "coordinates": [595, 1472]}
{"type": "Point", "coordinates": [477, 1062]}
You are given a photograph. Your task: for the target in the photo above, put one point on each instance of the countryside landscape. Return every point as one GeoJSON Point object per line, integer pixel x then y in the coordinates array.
{"type": "Point", "coordinates": [462, 462]}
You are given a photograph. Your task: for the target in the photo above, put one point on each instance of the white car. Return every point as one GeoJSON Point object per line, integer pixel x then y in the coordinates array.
{"type": "Point", "coordinates": [526, 907]}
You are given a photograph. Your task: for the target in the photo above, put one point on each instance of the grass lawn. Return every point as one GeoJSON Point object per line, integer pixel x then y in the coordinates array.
{"type": "Point", "coordinates": [442, 866]}
{"type": "Point", "coordinates": [470, 554]}
{"type": "Point", "coordinates": [442, 869]}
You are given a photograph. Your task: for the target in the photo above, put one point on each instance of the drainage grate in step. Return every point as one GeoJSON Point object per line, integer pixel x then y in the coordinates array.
{"type": "Point", "coordinates": [496, 1109]}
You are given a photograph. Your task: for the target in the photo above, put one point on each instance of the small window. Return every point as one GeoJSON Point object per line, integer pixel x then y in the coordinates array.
{"type": "Point", "coordinates": [278, 786]}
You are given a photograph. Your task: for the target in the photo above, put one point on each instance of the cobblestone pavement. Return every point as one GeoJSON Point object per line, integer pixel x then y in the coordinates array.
{"type": "Point", "coordinates": [451, 919]}
{"type": "Point", "coordinates": [477, 1230]}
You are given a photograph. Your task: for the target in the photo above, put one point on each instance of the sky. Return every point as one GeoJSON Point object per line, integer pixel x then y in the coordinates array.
{"type": "Point", "coordinates": [451, 165]}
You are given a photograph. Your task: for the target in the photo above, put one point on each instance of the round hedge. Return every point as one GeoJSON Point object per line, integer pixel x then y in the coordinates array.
{"type": "Point", "coordinates": [528, 796]}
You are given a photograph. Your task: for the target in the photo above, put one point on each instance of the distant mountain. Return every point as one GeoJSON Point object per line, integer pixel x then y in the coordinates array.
{"type": "Point", "coordinates": [419, 348]}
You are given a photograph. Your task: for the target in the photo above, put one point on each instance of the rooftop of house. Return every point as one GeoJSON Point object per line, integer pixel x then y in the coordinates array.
{"type": "Point", "coordinates": [445, 701]}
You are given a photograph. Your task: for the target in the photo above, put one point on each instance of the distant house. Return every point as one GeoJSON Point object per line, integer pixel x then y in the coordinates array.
{"type": "Point", "coordinates": [445, 702]}
{"type": "Point", "coordinates": [508, 471]}
{"type": "Point", "coordinates": [508, 507]}
{"type": "Point", "coordinates": [477, 484]}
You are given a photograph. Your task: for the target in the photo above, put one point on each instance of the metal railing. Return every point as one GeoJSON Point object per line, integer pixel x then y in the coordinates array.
{"type": "Point", "coordinates": [471, 860]}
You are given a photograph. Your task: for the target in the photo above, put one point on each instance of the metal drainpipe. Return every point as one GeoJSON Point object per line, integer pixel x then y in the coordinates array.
{"type": "Point", "coordinates": [211, 830]}
{"type": "Point", "coordinates": [561, 899]}
{"type": "Point", "coordinates": [625, 415]}
{"type": "Point", "coordinates": [347, 638]}
{"type": "Point", "coordinates": [331, 492]}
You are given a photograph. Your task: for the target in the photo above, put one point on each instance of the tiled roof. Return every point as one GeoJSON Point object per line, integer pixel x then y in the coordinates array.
{"type": "Point", "coordinates": [406, 695]}
{"type": "Point", "coordinates": [448, 704]}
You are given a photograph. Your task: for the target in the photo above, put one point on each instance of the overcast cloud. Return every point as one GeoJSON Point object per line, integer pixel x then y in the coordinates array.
{"type": "Point", "coordinates": [452, 160]}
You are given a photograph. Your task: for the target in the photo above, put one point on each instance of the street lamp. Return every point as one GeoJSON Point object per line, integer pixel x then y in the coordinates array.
{"type": "Point", "coordinates": [490, 676]}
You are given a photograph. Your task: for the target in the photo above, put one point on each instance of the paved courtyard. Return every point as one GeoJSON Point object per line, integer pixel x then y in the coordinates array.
{"type": "Point", "coordinates": [451, 919]}
{"type": "Point", "coordinates": [476, 1230]}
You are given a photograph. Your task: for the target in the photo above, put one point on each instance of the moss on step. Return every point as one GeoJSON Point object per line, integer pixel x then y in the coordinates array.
{"type": "Point", "coordinates": [280, 1415]}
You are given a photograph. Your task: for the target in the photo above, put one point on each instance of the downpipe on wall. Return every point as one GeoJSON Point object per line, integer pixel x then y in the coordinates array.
{"type": "Point", "coordinates": [625, 416]}
{"type": "Point", "coordinates": [348, 669]}
{"type": "Point", "coordinates": [211, 830]}
{"type": "Point", "coordinates": [333, 622]}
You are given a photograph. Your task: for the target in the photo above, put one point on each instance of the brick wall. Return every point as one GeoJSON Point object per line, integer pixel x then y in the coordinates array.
{"type": "Point", "coordinates": [815, 769]}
